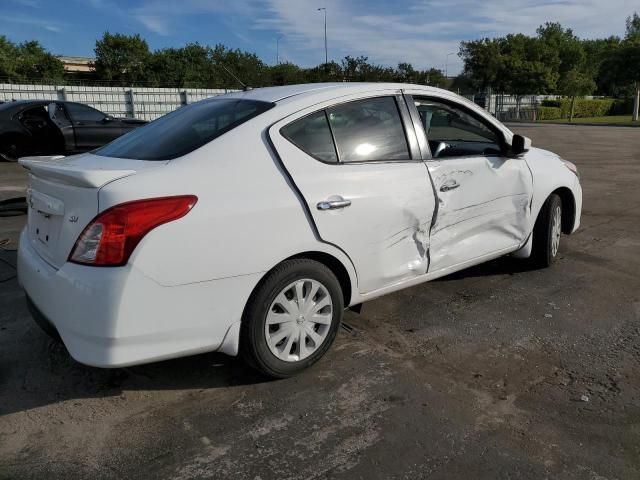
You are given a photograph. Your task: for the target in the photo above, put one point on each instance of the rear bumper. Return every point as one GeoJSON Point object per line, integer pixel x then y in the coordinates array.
{"type": "Point", "coordinates": [114, 317]}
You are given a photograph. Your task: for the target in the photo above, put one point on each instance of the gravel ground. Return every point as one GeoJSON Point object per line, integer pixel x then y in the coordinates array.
{"type": "Point", "coordinates": [495, 372]}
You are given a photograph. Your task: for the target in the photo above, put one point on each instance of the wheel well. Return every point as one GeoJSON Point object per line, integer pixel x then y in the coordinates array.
{"type": "Point", "coordinates": [336, 266]}
{"type": "Point", "coordinates": [568, 208]}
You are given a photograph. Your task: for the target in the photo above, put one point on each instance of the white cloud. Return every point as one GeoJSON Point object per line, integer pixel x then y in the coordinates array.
{"type": "Point", "coordinates": [34, 22]}
{"type": "Point", "coordinates": [156, 23]}
{"type": "Point", "coordinates": [421, 32]}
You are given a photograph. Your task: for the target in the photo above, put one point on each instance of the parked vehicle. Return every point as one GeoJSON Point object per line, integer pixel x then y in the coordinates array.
{"type": "Point", "coordinates": [47, 127]}
{"type": "Point", "coordinates": [248, 222]}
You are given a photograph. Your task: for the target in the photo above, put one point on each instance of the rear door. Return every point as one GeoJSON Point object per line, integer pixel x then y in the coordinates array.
{"type": "Point", "coordinates": [358, 167]}
{"type": "Point", "coordinates": [484, 197]}
{"type": "Point", "coordinates": [92, 127]}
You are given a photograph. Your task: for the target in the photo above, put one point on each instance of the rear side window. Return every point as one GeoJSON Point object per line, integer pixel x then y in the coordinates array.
{"type": "Point", "coordinates": [312, 134]}
{"type": "Point", "coordinates": [184, 130]}
{"type": "Point", "coordinates": [368, 130]}
{"type": "Point", "coordinates": [83, 113]}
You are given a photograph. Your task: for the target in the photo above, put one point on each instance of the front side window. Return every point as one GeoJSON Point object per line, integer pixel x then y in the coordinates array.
{"type": "Point", "coordinates": [184, 130]}
{"type": "Point", "coordinates": [312, 135]}
{"type": "Point", "coordinates": [370, 129]}
{"type": "Point", "coordinates": [454, 133]}
{"type": "Point", "coordinates": [83, 113]}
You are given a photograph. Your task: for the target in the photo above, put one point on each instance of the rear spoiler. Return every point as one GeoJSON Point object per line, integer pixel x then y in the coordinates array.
{"type": "Point", "coordinates": [53, 167]}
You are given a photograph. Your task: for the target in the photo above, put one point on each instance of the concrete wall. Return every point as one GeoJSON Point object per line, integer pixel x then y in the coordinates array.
{"type": "Point", "coordinates": [136, 102]}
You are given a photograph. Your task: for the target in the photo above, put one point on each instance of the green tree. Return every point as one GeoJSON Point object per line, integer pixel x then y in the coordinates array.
{"type": "Point", "coordinates": [8, 59]}
{"type": "Point", "coordinates": [625, 65]}
{"type": "Point", "coordinates": [596, 52]}
{"type": "Point", "coordinates": [563, 49]}
{"type": "Point", "coordinates": [28, 62]}
{"type": "Point", "coordinates": [576, 83]}
{"type": "Point", "coordinates": [189, 66]}
{"type": "Point", "coordinates": [122, 58]}
{"type": "Point", "coordinates": [633, 27]}
{"type": "Point", "coordinates": [287, 74]}
{"type": "Point", "coordinates": [433, 77]}
{"type": "Point", "coordinates": [246, 66]}
{"type": "Point", "coordinates": [483, 63]}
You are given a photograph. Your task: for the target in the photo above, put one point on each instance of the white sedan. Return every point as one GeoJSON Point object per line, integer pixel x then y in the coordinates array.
{"type": "Point", "coordinates": [248, 222]}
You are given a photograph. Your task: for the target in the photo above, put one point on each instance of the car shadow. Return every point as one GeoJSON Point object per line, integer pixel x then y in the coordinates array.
{"type": "Point", "coordinates": [499, 266]}
{"type": "Point", "coordinates": [50, 376]}
{"type": "Point", "coordinates": [36, 371]}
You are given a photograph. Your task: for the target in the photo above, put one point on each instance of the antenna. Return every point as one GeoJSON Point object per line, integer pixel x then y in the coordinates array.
{"type": "Point", "coordinates": [244, 87]}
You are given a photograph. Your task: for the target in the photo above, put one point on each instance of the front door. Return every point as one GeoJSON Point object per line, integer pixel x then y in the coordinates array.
{"type": "Point", "coordinates": [361, 176]}
{"type": "Point", "coordinates": [92, 127]}
{"type": "Point", "coordinates": [484, 196]}
{"type": "Point", "coordinates": [59, 117]}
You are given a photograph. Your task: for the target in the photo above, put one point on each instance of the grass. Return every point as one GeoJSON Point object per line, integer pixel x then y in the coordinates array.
{"type": "Point", "coordinates": [612, 119]}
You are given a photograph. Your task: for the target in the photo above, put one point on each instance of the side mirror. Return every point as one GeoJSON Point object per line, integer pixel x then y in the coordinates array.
{"type": "Point", "coordinates": [107, 119]}
{"type": "Point", "coordinates": [520, 144]}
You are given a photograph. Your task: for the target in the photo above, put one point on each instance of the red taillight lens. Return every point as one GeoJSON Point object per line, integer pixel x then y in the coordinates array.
{"type": "Point", "coordinates": [111, 237]}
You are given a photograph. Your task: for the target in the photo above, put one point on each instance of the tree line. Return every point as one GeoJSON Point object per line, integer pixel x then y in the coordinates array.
{"type": "Point", "coordinates": [127, 60]}
{"type": "Point", "coordinates": [554, 61]}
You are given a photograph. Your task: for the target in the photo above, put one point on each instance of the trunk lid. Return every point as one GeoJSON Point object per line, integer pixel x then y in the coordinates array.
{"type": "Point", "coordinates": [62, 197]}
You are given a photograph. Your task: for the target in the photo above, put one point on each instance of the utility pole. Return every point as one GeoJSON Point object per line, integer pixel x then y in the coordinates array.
{"type": "Point", "coordinates": [326, 55]}
{"type": "Point", "coordinates": [278, 49]}
{"type": "Point", "coordinates": [446, 65]}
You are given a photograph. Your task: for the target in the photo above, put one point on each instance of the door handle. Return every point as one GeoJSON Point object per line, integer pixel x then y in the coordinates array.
{"type": "Point", "coordinates": [450, 185]}
{"type": "Point", "coordinates": [333, 204]}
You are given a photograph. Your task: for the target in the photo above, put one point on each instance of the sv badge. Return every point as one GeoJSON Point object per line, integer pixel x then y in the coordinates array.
{"type": "Point", "coordinates": [73, 218]}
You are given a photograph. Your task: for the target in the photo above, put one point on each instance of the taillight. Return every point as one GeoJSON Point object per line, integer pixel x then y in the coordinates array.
{"type": "Point", "coordinates": [111, 237]}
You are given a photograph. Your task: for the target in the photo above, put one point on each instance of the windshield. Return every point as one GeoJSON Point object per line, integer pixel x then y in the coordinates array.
{"type": "Point", "coordinates": [184, 130]}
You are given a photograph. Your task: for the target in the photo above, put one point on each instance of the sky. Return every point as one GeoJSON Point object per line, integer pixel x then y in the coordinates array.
{"type": "Point", "coordinates": [425, 33]}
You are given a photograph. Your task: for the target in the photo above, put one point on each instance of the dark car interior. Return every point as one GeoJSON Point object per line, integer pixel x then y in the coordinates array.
{"type": "Point", "coordinates": [454, 133]}
{"type": "Point", "coordinates": [45, 133]}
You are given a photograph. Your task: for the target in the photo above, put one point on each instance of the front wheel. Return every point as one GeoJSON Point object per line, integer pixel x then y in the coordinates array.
{"type": "Point", "coordinates": [292, 318]}
{"type": "Point", "coordinates": [547, 232]}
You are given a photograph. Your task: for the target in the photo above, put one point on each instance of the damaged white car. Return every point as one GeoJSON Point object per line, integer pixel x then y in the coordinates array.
{"type": "Point", "coordinates": [248, 222]}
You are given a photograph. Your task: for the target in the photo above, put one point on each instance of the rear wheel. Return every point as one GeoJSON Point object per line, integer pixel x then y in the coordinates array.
{"type": "Point", "coordinates": [292, 318]}
{"type": "Point", "coordinates": [547, 232]}
{"type": "Point", "coordinates": [11, 148]}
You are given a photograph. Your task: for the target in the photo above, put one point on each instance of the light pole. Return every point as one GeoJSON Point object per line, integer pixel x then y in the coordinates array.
{"type": "Point", "coordinates": [278, 49]}
{"type": "Point", "coordinates": [326, 56]}
{"type": "Point", "coordinates": [446, 65]}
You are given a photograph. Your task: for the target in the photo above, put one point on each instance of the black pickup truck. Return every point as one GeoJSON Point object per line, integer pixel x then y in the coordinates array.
{"type": "Point", "coordinates": [49, 127]}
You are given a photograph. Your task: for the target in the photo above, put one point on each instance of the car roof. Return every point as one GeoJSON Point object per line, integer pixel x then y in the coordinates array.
{"type": "Point", "coordinates": [276, 94]}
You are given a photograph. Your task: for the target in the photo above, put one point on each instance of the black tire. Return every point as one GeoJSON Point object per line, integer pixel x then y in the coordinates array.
{"type": "Point", "coordinates": [543, 254]}
{"type": "Point", "coordinates": [253, 342]}
{"type": "Point", "coordinates": [11, 148]}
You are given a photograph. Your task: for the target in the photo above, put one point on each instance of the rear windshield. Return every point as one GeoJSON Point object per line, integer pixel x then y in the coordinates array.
{"type": "Point", "coordinates": [184, 130]}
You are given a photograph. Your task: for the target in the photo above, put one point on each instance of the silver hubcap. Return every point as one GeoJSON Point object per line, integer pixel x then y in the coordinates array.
{"type": "Point", "coordinates": [298, 320]}
{"type": "Point", "coordinates": [556, 230]}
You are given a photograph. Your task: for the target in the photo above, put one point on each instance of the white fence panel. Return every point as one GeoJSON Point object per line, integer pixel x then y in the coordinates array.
{"type": "Point", "coordinates": [136, 102]}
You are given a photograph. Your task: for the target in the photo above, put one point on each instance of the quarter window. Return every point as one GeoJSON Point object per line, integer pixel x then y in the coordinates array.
{"type": "Point", "coordinates": [312, 134]}
{"type": "Point", "coordinates": [453, 133]}
{"type": "Point", "coordinates": [367, 130]}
